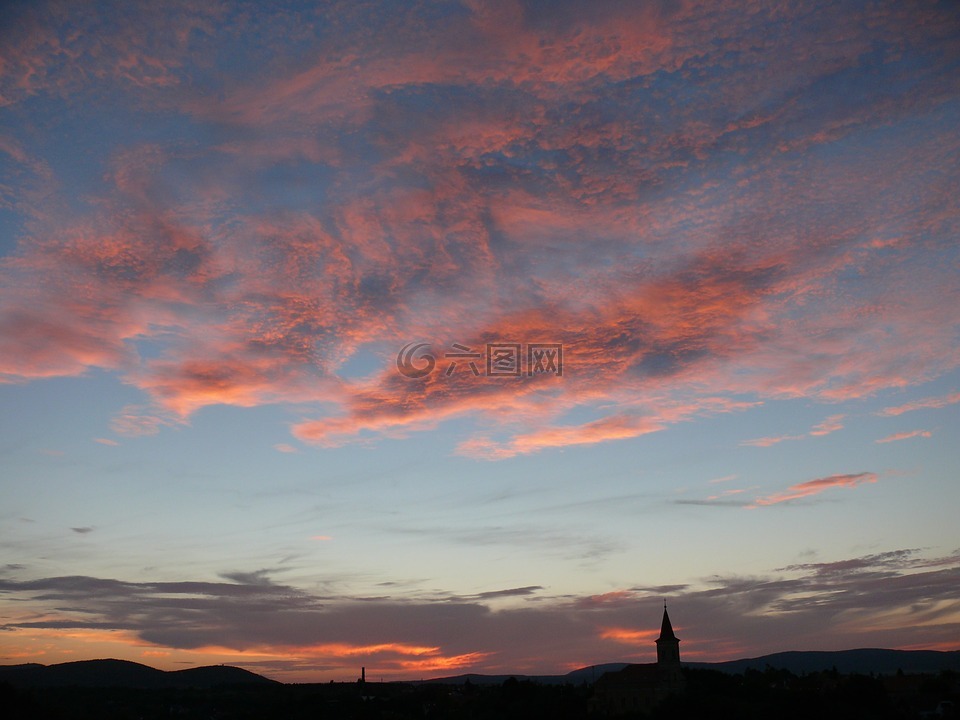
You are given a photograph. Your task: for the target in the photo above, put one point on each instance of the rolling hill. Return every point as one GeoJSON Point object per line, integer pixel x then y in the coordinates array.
{"type": "Point", "coordinates": [126, 674]}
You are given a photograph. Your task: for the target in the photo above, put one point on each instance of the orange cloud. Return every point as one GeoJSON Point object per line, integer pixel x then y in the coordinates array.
{"type": "Point", "coordinates": [677, 319]}
{"type": "Point", "coordinates": [155, 653]}
{"type": "Point", "coordinates": [606, 429]}
{"type": "Point", "coordinates": [347, 650]}
{"type": "Point", "coordinates": [184, 386]}
{"type": "Point", "coordinates": [829, 425]}
{"type": "Point", "coordinates": [630, 637]}
{"type": "Point", "coordinates": [905, 435]}
{"type": "Point", "coordinates": [33, 346]}
{"type": "Point", "coordinates": [211, 290]}
{"type": "Point", "coordinates": [924, 404]}
{"type": "Point", "coordinates": [389, 658]}
{"type": "Point", "coordinates": [65, 644]}
{"type": "Point", "coordinates": [452, 662]}
{"type": "Point", "coordinates": [815, 487]}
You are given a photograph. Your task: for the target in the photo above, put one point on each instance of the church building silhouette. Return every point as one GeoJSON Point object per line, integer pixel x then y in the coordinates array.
{"type": "Point", "coordinates": [641, 687]}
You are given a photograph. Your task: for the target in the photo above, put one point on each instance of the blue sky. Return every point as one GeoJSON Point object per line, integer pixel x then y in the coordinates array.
{"type": "Point", "coordinates": [220, 225]}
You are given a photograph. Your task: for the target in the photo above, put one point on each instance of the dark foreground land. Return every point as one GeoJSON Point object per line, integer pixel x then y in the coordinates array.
{"type": "Point", "coordinates": [710, 694]}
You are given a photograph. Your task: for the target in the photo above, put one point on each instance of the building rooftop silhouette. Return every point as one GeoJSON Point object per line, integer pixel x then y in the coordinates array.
{"type": "Point", "coordinates": [640, 687]}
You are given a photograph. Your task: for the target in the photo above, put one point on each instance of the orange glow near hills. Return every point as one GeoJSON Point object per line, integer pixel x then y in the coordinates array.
{"type": "Point", "coordinates": [345, 650]}
{"type": "Point", "coordinates": [436, 664]}
{"type": "Point", "coordinates": [630, 637]}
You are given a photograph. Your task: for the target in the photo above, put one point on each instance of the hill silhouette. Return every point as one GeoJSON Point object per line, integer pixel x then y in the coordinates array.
{"type": "Point", "coordinates": [124, 674]}
{"type": "Point", "coordinates": [863, 661]}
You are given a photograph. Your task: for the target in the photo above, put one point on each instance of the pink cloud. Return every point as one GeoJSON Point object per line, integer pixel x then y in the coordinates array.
{"type": "Point", "coordinates": [830, 425]}
{"type": "Point", "coordinates": [610, 428]}
{"type": "Point", "coordinates": [773, 440]}
{"type": "Point", "coordinates": [138, 420]}
{"type": "Point", "coordinates": [52, 50]}
{"type": "Point", "coordinates": [815, 487]}
{"type": "Point", "coordinates": [184, 386]}
{"type": "Point", "coordinates": [37, 346]}
{"type": "Point", "coordinates": [931, 403]}
{"type": "Point", "coordinates": [664, 300]}
{"type": "Point", "coordinates": [905, 435]}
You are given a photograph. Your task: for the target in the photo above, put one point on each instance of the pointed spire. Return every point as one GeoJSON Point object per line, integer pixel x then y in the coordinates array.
{"type": "Point", "coordinates": [666, 629]}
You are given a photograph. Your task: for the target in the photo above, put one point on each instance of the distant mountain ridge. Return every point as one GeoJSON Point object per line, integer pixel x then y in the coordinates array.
{"type": "Point", "coordinates": [863, 661]}
{"type": "Point", "coordinates": [125, 674]}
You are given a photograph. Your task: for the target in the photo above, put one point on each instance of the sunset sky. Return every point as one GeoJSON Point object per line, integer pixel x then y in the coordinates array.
{"type": "Point", "coordinates": [222, 222]}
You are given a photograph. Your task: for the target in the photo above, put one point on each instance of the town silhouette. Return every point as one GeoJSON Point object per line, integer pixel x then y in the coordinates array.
{"type": "Point", "coordinates": [760, 688]}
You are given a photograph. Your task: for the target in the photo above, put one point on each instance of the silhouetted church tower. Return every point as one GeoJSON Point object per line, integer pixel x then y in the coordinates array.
{"type": "Point", "coordinates": [668, 644]}
{"type": "Point", "coordinates": [639, 688]}
{"type": "Point", "coordinates": [668, 655]}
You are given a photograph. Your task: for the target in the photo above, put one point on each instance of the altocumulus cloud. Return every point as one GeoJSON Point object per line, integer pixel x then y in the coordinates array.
{"type": "Point", "coordinates": [544, 165]}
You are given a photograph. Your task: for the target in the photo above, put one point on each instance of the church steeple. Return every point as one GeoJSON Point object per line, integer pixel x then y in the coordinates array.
{"type": "Point", "coordinates": [666, 629]}
{"type": "Point", "coordinates": [668, 644]}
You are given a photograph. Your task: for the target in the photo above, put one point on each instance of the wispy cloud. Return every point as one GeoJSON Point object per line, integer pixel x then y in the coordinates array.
{"type": "Point", "coordinates": [930, 403]}
{"type": "Point", "coordinates": [611, 428]}
{"type": "Point", "coordinates": [815, 487]}
{"type": "Point", "coordinates": [830, 425]}
{"type": "Point", "coordinates": [772, 440]}
{"type": "Point", "coordinates": [138, 420]}
{"type": "Point", "coordinates": [905, 435]}
{"type": "Point", "coordinates": [510, 592]}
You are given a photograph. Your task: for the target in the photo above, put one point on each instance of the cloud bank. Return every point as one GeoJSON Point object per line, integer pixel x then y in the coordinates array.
{"type": "Point", "coordinates": [703, 208]}
{"type": "Point", "coordinates": [900, 597]}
